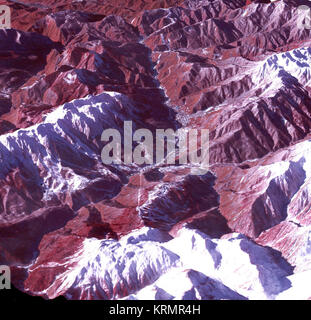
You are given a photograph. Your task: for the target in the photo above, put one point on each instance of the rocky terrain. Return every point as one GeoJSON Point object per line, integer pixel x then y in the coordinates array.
{"type": "Point", "coordinates": [72, 226]}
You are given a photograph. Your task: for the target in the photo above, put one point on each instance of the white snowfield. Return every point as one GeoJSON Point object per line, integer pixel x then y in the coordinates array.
{"type": "Point", "coordinates": [291, 66]}
{"type": "Point", "coordinates": [149, 264]}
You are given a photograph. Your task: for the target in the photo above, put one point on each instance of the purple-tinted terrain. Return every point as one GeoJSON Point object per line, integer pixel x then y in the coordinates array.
{"type": "Point", "coordinates": [72, 226]}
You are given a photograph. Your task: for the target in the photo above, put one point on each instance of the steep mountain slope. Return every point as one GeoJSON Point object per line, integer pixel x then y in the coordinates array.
{"type": "Point", "coordinates": [73, 226]}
